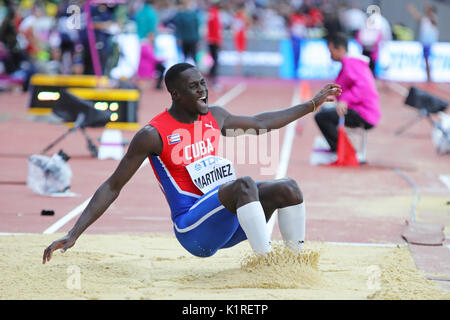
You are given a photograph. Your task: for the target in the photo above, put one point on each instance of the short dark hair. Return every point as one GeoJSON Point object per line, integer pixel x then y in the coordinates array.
{"type": "Point", "coordinates": [338, 40]}
{"type": "Point", "coordinates": [173, 72]}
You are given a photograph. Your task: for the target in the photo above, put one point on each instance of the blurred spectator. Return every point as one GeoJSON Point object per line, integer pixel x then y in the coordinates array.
{"type": "Point", "coordinates": [102, 16]}
{"type": "Point", "coordinates": [375, 30]}
{"type": "Point", "coordinates": [428, 31]}
{"type": "Point", "coordinates": [67, 37]}
{"type": "Point", "coordinates": [298, 32]}
{"type": "Point", "coordinates": [370, 37]}
{"type": "Point", "coordinates": [166, 11]}
{"type": "Point", "coordinates": [272, 22]}
{"type": "Point", "coordinates": [187, 29]}
{"type": "Point", "coordinates": [352, 19]}
{"type": "Point", "coordinates": [149, 65]}
{"type": "Point", "coordinates": [380, 21]}
{"type": "Point", "coordinates": [241, 23]}
{"type": "Point", "coordinates": [331, 19]}
{"type": "Point", "coordinates": [214, 38]}
{"type": "Point", "coordinates": [16, 65]}
{"type": "Point", "coordinates": [358, 103]}
{"type": "Point", "coordinates": [54, 47]}
{"type": "Point", "coordinates": [401, 32]}
{"type": "Point", "coordinates": [129, 48]}
{"type": "Point", "coordinates": [226, 15]}
{"type": "Point", "coordinates": [147, 19]}
{"type": "Point", "coordinates": [36, 28]}
{"type": "Point", "coordinates": [315, 18]}
{"type": "Point", "coordinates": [240, 26]}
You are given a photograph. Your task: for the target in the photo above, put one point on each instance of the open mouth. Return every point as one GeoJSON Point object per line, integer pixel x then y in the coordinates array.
{"type": "Point", "coordinates": [204, 99]}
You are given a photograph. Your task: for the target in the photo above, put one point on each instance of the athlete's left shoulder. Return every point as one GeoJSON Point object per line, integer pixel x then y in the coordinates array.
{"type": "Point", "coordinates": [219, 114]}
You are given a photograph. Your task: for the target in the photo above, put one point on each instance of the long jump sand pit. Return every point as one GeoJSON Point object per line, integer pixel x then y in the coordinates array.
{"type": "Point", "coordinates": [157, 267]}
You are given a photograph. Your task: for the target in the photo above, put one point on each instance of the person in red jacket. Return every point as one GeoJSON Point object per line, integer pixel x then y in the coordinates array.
{"type": "Point", "coordinates": [240, 26]}
{"type": "Point", "coordinates": [315, 18]}
{"type": "Point", "coordinates": [297, 30]}
{"type": "Point", "coordinates": [214, 38]}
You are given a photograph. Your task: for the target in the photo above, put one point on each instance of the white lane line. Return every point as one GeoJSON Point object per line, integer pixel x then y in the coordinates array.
{"type": "Point", "coordinates": [445, 180]}
{"type": "Point", "coordinates": [230, 95]}
{"type": "Point", "coordinates": [66, 218]}
{"type": "Point", "coordinates": [75, 212]}
{"type": "Point", "coordinates": [416, 193]}
{"type": "Point", "coordinates": [223, 100]}
{"type": "Point", "coordinates": [286, 148]}
{"type": "Point", "coordinates": [362, 244]}
{"type": "Point", "coordinates": [148, 218]}
{"type": "Point", "coordinates": [16, 234]}
{"type": "Point", "coordinates": [285, 153]}
{"type": "Point", "coordinates": [335, 243]}
{"type": "Point", "coordinates": [401, 90]}
{"type": "Point", "coordinates": [350, 244]}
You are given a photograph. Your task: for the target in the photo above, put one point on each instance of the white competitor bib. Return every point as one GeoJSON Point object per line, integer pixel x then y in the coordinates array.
{"type": "Point", "coordinates": [210, 172]}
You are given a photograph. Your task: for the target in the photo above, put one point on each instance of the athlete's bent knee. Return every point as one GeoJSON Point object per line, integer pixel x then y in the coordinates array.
{"type": "Point", "coordinates": [246, 185]}
{"type": "Point", "coordinates": [291, 192]}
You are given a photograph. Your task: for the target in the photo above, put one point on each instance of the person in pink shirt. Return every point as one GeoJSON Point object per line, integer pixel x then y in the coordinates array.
{"type": "Point", "coordinates": [358, 103]}
{"type": "Point", "coordinates": [150, 65]}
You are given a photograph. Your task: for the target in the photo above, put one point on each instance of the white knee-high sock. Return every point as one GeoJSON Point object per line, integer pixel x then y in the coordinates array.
{"type": "Point", "coordinates": [291, 221]}
{"type": "Point", "coordinates": [253, 222]}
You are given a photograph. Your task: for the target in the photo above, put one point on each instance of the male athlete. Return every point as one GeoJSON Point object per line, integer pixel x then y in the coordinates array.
{"type": "Point", "coordinates": [211, 209]}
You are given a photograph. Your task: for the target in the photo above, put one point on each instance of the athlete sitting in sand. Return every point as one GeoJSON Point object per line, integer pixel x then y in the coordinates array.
{"type": "Point", "coordinates": [211, 209]}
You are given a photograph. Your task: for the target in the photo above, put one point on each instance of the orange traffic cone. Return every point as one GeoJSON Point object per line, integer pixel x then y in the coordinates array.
{"type": "Point", "coordinates": [346, 155]}
{"type": "Point", "coordinates": [305, 91]}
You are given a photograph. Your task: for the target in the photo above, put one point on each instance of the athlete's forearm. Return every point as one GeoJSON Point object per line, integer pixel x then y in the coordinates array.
{"type": "Point", "coordinates": [278, 119]}
{"type": "Point", "coordinates": [266, 121]}
{"type": "Point", "coordinates": [101, 200]}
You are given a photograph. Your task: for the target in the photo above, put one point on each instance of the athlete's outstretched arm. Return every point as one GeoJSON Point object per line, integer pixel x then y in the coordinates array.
{"type": "Point", "coordinates": [267, 121]}
{"type": "Point", "coordinates": [146, 142]}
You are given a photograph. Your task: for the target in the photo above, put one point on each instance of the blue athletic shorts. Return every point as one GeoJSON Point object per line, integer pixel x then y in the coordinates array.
{"type": "Point", "coordinates": [208, 226]}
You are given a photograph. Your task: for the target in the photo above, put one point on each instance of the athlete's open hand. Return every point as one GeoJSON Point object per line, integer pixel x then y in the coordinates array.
{"type": "Point", "coordinates": [63, 243]}
{"type": "Point", "coordinates": [328, 93]}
